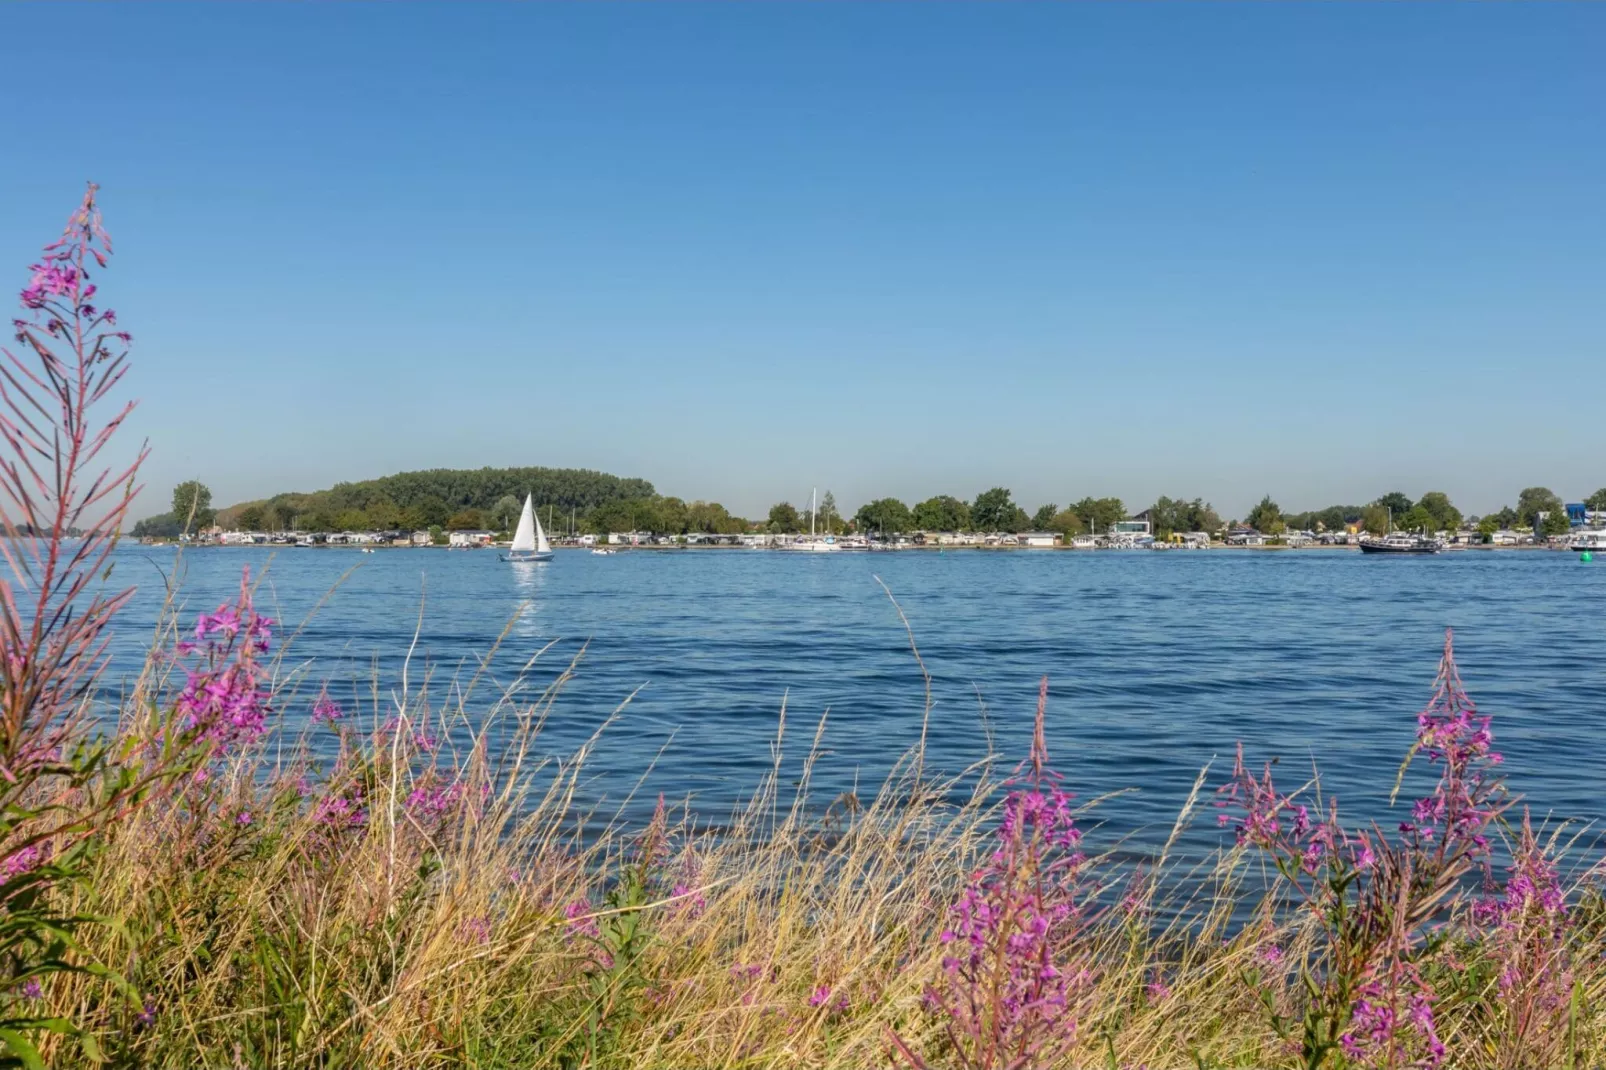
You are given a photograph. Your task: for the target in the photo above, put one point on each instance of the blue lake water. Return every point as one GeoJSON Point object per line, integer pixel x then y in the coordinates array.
{"type": "Point", "coordinates": [1158, 663]}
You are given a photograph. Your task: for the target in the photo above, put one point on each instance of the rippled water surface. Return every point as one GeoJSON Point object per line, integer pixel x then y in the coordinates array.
{"type": "Point", "coordinates": [1158, 663]}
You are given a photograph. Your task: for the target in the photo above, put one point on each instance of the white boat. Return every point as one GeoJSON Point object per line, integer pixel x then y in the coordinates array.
{"type": "Point", "coordinates": [814, 544]}
{"type": "Point", "coordinates": [529, 541]}
{"type": "Point", "coordinates": [1591, 541]}
{"type": "Point", "coordinates": [603, 551]}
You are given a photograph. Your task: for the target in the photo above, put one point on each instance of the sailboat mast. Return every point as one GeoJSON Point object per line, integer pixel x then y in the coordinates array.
{"type": "Point", "coordinates": [814, 507]}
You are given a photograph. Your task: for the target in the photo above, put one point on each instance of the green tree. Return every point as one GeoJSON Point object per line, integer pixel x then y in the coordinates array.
{"type": "Point", "coordinates": [1396, 502]}
{"type": "Point", "coordinates": [157, 527]}
{"type": "Point", "coordinates": [505, 513]}
{"type": "Point", "coordinates": [942, 513]}
{"type": "Point", "coordinates": [830, 521]}
{"type": "Point", "coordinates": [1446, 517]}
{"type": "Point", "coordinates": [709, 517]}
{"type": "Point", "coordinates": [1375, 519]}
{"type": "Point", "coordinates": [437, 535]}
{"type": "Point", "coordinates": [884, 516]}
{"type": "Point", "coordinates": [1417, 518]}
{"type": "Point", "coordinates": [1533, 501]}
{"type": "Point", "coordinates": [1506, 517]}
{"type": "Point", "coordinates": [784, 519]}
{"type": "Point", "coordinates": [1044, 517]}
{"type": "Point", "coordinates": [192, 505]}
{"type": "Point", "coordinates": [251, 518]}
{"type": "Point", "coordinates": [466, 520]}
{"type": "Point", "coordinates": [1264, 515]}
{"type": "Point", "coordinates": [1067, 523]}
{"type": "Point", "coordinates": [1487, 527]}
{"type": "Point", "coordinates": [1100, 513]}
{"type": "Point", "coordinates": [1557, 522]}
{"type": "Point", "coordinates": [993, 510]}
{"type": "Point", "coordinates": [1596, 502]}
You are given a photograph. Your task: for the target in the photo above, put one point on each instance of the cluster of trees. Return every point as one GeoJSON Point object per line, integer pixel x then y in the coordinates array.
{"type": "Point", "coordinates": [455, 500]}
{"type": "Point", "coordinates": [1536, 506]}
{"type": "Point", "coordinates": [1433, 513]}
{"type": "Point", "coordinates": [192, 510]}
{"type": "Point", "coordinates": [992, 510]}
{"type": "Point", "coordinates": [786, 519]}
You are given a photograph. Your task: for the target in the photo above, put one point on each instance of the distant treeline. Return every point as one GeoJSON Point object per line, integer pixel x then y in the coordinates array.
{"type": "Point", "coordinates": [587, 501]}
{"type": "Point", "coordinates": [408, 501]}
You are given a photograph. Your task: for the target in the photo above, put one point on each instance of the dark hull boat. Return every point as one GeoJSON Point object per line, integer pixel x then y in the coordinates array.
{"type": "Point", "coordinates": [1401, 544]}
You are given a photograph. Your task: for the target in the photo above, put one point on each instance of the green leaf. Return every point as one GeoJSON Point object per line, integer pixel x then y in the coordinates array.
{"type": "Point", "coordinates": [22, 1048]}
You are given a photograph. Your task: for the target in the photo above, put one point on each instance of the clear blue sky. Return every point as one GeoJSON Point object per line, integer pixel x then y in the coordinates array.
{"type": "Point", "coordinates": [1317, 251]}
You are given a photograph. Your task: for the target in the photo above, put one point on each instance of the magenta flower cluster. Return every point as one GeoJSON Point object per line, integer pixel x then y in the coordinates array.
{"type": "Point", "coordinates": [1452, 734]}
{"type": "Point", "coordinates": [1384, 1033]}
{"type": "Point", "coordinates": [1011, 975]}
{"type": "Point", "coordinates": [432, 804]}
{"type": "Point", "coordinates": [326, 709]}
{"type": "Point", "coordinates": [225, 695]}
{"type": "Point", "coordinates": [20, 862]}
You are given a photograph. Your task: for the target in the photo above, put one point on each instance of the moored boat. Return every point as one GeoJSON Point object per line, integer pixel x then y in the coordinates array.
{"type": "Point", "coordinates": [1401, 543]}
{"type": "Point", "coordinates": [1588, 541]}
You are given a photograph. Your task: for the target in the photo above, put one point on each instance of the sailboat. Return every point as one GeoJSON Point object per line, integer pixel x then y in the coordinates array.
{"type": "Point", "coordinates": [814, 543]}
{"type": "Point", "coordinates": [529, 541]}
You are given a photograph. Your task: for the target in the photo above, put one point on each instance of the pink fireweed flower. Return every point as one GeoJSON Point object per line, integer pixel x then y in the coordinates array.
{"type": "Point", "coordinates": [579, 923]}
{"type": "Point", "coordinates": [244, 818]}
{"type": "Point", "coordinates": [583, 927]}
{"type": "Point", "coordinates": [337, 811]}
{"type": "Point", "coordinates": [1525, 928]}
{"type": "Point", "coordinates": [326, 709]}
{"type": "Point", "coordinates": [1392, 1021]}
{"type": "Point", "coordinates": [225, 694]}
{"type": "Point", "coordinates": [432, 804]}
{"type": "Point", "coordinates": [31, 990]}
{"type": "Point", "coordinates": [689, 900]}
{"type": "Point", "coordinates": [1270, 955]}
{"type": "Point", "coordinates": [1157, 990]}
{"type": "Point", "coordinates": [1011, 977]}
{"type": "Point", "coordinates": [1453, 735]}
{"type": "Point", "coordinates": [20, 862]}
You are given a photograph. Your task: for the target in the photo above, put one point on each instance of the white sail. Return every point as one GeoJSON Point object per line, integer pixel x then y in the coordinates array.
{"type": "Point", "coordinates": [524, 537]}
{"type": "Point", "coordinates": [541, 545]}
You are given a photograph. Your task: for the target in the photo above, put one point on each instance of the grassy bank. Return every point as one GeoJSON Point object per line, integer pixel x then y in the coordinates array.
{"type": "Point", "coordinates": [412, 904]}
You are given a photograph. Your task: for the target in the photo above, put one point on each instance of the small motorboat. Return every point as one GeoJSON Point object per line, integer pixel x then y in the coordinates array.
{"type": "Point", "coordinates": [603, 551]}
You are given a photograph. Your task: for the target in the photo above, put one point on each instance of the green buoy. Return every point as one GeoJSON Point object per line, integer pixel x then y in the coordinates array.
{"type": "Point", "coordinates": [1586, 557]}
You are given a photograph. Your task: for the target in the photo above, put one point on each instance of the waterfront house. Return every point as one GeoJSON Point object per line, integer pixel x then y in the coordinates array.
{"type": "Point", "coordinates": [470, 539]}
{"type": "Point", "coordinates": [423, 538]}
{"type": "Point", "coordinates": [1041, 540]}
{"type": "Point", "coordinates": [1135, 526]}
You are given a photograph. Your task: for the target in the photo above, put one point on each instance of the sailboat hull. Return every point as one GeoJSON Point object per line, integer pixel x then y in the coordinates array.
{"type": "Point", "coordinates": [533, 555]}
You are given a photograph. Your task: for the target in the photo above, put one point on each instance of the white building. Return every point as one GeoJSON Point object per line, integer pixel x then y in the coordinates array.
{"type": "Point", "coordinates": [1040, 540]}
